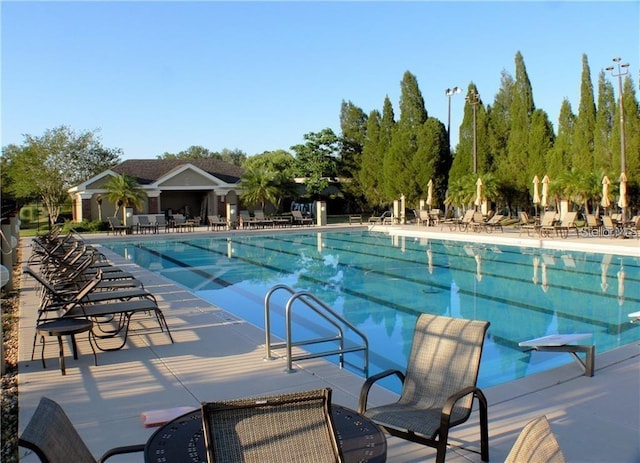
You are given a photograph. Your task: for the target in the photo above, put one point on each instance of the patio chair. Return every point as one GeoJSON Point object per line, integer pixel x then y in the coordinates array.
{"type": "Point", "coordinates": [293, 427]}
{"type": "Point", "coordinates": [536, 443]}
{"type": "Point", "coordinates": [116, 226]}
{"type": "Point", "coordinates": [438, 387]}
{"type": "Point", "coordinates": [52, 437]}
{"type": "Point", "coordinates": [299, 219]}
{"type": "Point", "coordinates": [161, 222]}
{"type": "Point", "coordinates": [214, 222]}
{"type": "Point", "coordinates": [144, 225]}
{"type": "Point", "coordinates": [591, 226]}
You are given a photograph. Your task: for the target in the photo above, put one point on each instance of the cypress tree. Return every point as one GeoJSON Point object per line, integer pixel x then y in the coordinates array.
{"type": "Point", "coordinates": [582, 148]}
{"type": "Point", "coordinates": [399, 177]}
{"type": "Point", "coordinates": [602, 153]}
{"type": "Point", "coordinates": [541, 140]}
{"type": "Point", "coordinates": [559, 159]}
{"type": "Point", "coordinates": [499, 124]}
{"type": "Point", "coordinates": [353, 123]}
{"type": "Point", "coordinates": [370, 174]}
{"type": "Point", "coordinates": [520, 111]}
{"type": "Point", "coordinates": [432, 160]}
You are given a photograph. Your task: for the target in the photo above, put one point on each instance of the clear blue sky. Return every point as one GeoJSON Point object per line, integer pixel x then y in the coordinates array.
{"type": "Point", "coordinates": [159, 77]}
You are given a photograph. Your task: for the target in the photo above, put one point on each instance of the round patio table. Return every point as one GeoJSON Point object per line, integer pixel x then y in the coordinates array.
{"type": "Point", "coordinates": [182, 441]}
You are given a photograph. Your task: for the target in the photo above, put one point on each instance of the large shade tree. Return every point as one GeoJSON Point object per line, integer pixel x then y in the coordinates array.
{"type": "Point", "coordinates": [45, 167]}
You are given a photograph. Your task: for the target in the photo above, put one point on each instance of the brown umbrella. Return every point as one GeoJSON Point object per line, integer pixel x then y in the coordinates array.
{"type": "Point", "coordinates": [429, 200]}
{"type": "Point", "coordinates": [605, 192]}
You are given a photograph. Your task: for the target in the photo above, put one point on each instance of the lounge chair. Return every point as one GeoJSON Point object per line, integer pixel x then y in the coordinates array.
{"type": "Point", "coordinates": [439, 385]}
{"type": "Point", "coordinates": [262, 220]}
{"type": "Point", "coordinates": [246, 221]}
{"type": "Point", "coordinates": [299, 219]}
{"type": "Point", "coordinates": [591, 226]}
{"type": "Point", "coordinates": [546, 225]}
{"type": "Point", "coordinates": [536, 443]}
{"type": "Point", "coordinates": [52, 437]}
{"type": "Point", "coordinates": [144, 225]}
{"type": "Point", "coordinates": [214, 222]}
{"type": "Point", "coordinates": [161, 222]}
{"type": "Point", "coordinates": [378, 219]}
{"type": "Point", "coordinates": [610, 228]}
{"type": "Point", "coordinates": [477, 222]}
{"type": "Point", "coordinates": [290, 427]}
{"type": "Point", "coordinates": [568, 222]}
{"type": "Point", "coordinates": [116, 226]}
{"type": "Point", "coordinates": [494, 223]}
{"type": "Point", "coordinates": [463, 224]}
{"type": "Point", "coordinates": [527, 224]}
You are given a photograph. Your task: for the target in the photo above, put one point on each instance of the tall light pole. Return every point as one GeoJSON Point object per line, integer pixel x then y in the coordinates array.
{"type": "Point", "coordinates": [474, 100]}
{"type": "Point", "coordinates": [620, 73]}
{"type": "Point", "coordinates": [450, 92]}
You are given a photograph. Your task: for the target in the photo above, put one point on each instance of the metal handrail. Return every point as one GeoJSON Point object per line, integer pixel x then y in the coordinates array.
{"type": "Point", "coordinates": [324, 311]}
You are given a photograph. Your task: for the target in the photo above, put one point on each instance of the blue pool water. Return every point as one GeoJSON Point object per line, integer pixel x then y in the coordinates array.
{"type": "Point", "coordinates": [381, 284]}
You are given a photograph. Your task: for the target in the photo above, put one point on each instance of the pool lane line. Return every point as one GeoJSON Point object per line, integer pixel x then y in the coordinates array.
{"type": "Point", "coordinates": [182, 264]}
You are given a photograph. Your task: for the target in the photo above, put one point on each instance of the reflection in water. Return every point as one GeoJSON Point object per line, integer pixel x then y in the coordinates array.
{"type": "Point", "coordinates": [604, 270]}
{"type": "Point", "coordinates": [621, 276]}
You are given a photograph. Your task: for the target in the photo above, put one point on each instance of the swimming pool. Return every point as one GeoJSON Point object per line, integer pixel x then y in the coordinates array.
{"type": "Point", "coordinates": [381, 284]}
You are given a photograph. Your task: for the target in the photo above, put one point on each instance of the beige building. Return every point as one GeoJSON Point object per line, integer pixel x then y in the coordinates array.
{"type": "Point", "coordinates": [193, 188]}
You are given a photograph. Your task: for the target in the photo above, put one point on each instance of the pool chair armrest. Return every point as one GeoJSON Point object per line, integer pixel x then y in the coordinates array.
{"type": "Point", "coordinates": [364, 392]}
{"type": "Point", "coordinates": [447, 409]}
{"type": "Point", "coordinates": [121, 451]}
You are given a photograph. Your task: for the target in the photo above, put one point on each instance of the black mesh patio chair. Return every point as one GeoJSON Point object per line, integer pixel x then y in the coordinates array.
{"type": "Point", "coordinates": [536, 444]}
{"type": "Point", "coordinates": [52, 437]}
{"type": "Point", "coordinates": [294, 427]}
{"type": "Point", "coordinates": [439, 385]}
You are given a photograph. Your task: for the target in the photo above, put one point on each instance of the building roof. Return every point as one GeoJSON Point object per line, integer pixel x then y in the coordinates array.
{"type": "Point", "coordinates": [147, 171]}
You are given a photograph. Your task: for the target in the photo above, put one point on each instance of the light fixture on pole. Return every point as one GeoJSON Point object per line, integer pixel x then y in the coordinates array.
{"type": "Point", "coordinates": [450, 92]}
{"type": "Point", "coordinates": [473, 98]}
{"type": "Point", "coordinates": [622, 70]}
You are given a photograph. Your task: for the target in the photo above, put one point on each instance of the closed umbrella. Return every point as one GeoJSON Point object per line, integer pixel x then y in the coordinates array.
{"type": "Point", "coordinates": [430, 193]}
{"type": "Point", "coordinates": [478, 201]}
{"type": "Point", "coordinates": [544, 201]}
{"type": "Point", "coordinates": [605, 192]}
{"type": "Point", "coordinates": [536, 193]}
{"type": "Point", "coordinates": [622, 201]}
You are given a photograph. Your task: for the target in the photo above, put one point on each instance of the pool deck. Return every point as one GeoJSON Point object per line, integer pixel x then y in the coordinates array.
{"type": "Point", "coordinates": [218, 356]}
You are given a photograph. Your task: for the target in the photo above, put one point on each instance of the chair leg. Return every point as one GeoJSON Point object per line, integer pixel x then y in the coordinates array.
{"type": "Point", "coordinates": [61, 353]}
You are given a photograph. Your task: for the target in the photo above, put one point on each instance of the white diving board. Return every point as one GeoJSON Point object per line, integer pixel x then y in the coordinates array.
{"type": "Point", "coordinates": [566, 343]}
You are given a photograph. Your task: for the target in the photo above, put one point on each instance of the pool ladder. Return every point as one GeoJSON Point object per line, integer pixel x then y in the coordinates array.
{"type": "Point", "coordinates": [309, 301]}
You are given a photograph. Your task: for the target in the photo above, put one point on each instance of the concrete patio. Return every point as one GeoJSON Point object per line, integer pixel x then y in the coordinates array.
{"type": "Point", "coordinates": [218, 356]}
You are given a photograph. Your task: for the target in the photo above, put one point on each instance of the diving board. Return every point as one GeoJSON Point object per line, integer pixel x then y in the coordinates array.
{"type": "Point", "coordinates": [566, 343]}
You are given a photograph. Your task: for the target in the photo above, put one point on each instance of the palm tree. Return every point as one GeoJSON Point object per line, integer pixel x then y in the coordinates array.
{"type": "Point", "coordinates": [124, 191]}
{"type": "Point", "coordinates": [258, 187]}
